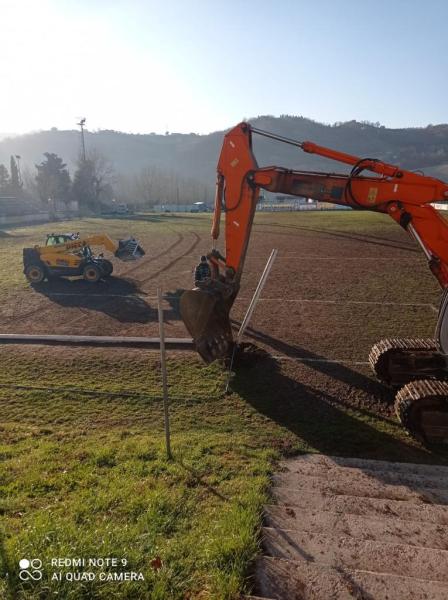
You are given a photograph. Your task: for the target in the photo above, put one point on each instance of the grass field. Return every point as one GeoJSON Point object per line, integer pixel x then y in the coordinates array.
{"type": "Point", "coordinates": [83, 469]}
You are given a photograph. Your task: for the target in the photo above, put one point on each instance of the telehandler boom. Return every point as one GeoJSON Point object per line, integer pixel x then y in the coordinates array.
{"type": "Point", "coordinates": [417, 368]}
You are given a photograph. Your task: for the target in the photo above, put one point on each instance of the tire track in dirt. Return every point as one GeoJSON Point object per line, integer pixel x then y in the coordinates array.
{"type": "Point", "coordinates": [375, 240]}
{"type": "Point", "coordinates": [42, 309]}
{"type": "Point", "coordinates": [143, 263]}
{"type": "Point", "coordinates": [174, 261]}
{"type": "Point", "coordinates": [126, 273]}
{"type": "Point", "coordinates": [14, 319]}
{"type": "Point", "coordinates": [168, 266]}
{"type": "Point", "coordinates": [152, 276]}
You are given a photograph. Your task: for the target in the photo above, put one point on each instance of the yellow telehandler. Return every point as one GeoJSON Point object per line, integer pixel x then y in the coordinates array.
{"type": "Point", "coordinates": [70, 255]}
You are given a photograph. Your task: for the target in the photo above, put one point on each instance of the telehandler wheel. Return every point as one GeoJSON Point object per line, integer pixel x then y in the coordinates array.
{"type": "Point", "coordinates": [92, 273]}
{"type": "Point", "coordinates": [35, 273]}
{"type": "Point", "coordinates": [107, 267]}
{"type": "Point", "coordinates": [422, 408]}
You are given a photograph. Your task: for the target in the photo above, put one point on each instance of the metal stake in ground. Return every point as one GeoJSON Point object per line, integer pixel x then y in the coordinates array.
{"type": "Point", "coordinates": [251, 308]}
{"type": "Point", "coordinates": [164, 376]}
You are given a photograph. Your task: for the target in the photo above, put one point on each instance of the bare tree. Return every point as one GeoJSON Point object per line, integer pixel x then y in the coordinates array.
{"type": "Point", "coordinates": [153, 185]}
{"type": "Point", "coordinates": [92, 182]}
{"type": "Point", "coordinates": [146, 186]}
{"type": "Point", "coordinates": [29, 180]}
{"type": "Point", "coordinates": [104, 172]}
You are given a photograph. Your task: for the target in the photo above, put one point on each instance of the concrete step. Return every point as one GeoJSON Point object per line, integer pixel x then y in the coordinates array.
{"type": "Point", "coordinates": [343, 552]}
{"type": "Point", "coordinates": [290, 580]}
{"type": "Point", "coordinates": [374, 507]}
{"type": "Point", "coordinates": [361, 463]}
{"type": "Point", "coordinates": [332, 473]}
{"type": "Point", "coordinates": [348, 528]}
{"type": "Point", "coordinates": [361, 527]}
{"type": "Point", "coordinates": [364, 487]}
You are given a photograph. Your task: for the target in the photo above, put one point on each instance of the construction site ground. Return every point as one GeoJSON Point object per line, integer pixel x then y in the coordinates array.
{"type": "Point", "coordinates": [341, 281]}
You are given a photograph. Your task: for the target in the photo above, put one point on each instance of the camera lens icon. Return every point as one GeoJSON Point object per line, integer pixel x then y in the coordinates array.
{"type": "Point", "coordinates": [30, 569]}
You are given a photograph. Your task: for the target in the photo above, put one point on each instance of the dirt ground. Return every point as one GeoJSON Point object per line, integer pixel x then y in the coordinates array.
{"type": "Point", "coordinates": [339, 284]}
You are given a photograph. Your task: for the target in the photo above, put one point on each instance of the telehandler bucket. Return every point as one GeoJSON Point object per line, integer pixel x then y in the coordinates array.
{"type": "Point", "coordinates": [129, 249]}
{"type": "Point", "coordinates": [205, 313]}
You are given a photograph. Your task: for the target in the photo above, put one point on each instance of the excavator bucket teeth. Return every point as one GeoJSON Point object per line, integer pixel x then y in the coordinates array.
{"type": "Point", "coordinates": [206, 317]}
{"type": "Point", "coordinates": [129, 249]}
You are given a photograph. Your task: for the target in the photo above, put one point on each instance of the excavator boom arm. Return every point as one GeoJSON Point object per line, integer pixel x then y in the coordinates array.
{"type": "Point", "coordinates": [404, 195]}
{"type": "Point", "coordinates": [419, 365]}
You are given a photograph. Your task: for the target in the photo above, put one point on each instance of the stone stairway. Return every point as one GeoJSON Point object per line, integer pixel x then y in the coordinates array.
{"type": "Point", "coordinates": [342, 528]}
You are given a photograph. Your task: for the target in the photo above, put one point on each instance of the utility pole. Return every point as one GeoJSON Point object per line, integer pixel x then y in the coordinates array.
{"type": "Point", "coordinates": [81, 124]}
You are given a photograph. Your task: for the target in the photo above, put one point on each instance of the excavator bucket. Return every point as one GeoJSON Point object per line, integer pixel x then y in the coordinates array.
{"type": "Point", "coordinates": [205, 313]}
{"type": "Point", "coordinates": [129, 249]}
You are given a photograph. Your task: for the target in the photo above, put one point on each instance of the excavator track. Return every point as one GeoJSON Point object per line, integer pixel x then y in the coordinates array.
{"type": "Point", "coordinates": [422, 408]}
{"type": "Point", "coordinates": [397, 361]}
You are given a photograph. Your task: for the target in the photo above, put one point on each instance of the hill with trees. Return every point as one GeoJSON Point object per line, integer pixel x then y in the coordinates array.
{"type": "Point", "coordinates": [181, 162]}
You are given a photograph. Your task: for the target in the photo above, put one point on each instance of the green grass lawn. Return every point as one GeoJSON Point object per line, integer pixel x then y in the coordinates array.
{"type": "Point", "coordinates": [83, 471]}
{"type": "Point", "coordinates": [85, 474]}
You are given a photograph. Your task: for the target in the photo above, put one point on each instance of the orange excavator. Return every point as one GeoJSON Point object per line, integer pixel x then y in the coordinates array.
{"type": "Point", "coordinates": [417, 368]}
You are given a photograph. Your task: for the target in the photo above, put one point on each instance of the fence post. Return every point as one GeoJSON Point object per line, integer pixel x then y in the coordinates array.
{"type": "Point", "coordinates": [164, 375]}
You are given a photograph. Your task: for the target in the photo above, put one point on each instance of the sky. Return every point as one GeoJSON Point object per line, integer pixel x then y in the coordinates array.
{"type": "Point", "coordinates": [198, 66]}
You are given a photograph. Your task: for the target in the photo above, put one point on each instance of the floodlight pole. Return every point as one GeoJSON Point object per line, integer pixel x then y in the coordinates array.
{"type": "Point", "coordinates": [164, 376]}
{"type": "Point", "coordinates": [81, 124]}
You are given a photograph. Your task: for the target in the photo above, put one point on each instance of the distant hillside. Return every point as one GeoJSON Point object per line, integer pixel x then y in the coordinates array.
{"type": "Point", "coordinates": [195, 156]}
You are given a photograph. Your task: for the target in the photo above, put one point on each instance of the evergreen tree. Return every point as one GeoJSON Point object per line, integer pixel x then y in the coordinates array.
{"type": "Point", "coordinates": [53, 179]}
{"type": "Point", "coordinates": [5, 182]}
